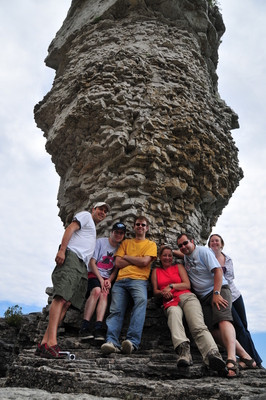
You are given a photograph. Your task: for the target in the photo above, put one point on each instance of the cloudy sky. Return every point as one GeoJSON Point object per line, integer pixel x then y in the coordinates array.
{"type": "Point", "coordinates": [31, 229]}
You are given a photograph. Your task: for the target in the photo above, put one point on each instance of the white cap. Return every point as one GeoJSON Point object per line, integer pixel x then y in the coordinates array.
{"type": "Point", "coordinates": [101, 203]}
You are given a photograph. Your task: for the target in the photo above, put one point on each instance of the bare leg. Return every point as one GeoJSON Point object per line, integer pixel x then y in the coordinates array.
{"type": "Point", "coordinates": [57, 312]}
{"type": "Point", "coordinates": [243, 354]}
{"type": "Point", "coordinates": [102, 305]}
{"type": "Point", "coordinates": [91, 303]}
{"type": "Point", "coordinates": [225, 336]}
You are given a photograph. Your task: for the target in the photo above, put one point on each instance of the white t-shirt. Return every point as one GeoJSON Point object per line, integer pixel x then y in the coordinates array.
{"type": "Point", "coordinates": [199, 266]}
{"type": "Point", "coordinates": [83, 241]}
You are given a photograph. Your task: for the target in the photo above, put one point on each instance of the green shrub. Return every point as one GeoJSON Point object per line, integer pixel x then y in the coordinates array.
{"type": "Point", "coordinates": [13, 316]}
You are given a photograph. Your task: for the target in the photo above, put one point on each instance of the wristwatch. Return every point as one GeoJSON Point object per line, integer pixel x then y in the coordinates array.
{"type": "Point", "coordinates": [171, 286]}
{"type": "Point", "coordinates": [216, 292]}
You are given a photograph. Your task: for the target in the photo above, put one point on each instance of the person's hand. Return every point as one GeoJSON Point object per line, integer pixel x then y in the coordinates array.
{"type": "Point", "coordinates": [166, 293]}
{"type": "Point", "coordinates": [218, 300]}
{"type": "Point", "coordinates": [60, 257]}
{"type": "Point", "coordinates": [102, 282]}
{"type": "Point", "coordinates": [107, 285]}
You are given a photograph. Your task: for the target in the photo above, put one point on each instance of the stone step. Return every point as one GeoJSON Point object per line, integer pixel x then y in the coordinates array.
{"type": "Point", "coordinates": [144, 375]}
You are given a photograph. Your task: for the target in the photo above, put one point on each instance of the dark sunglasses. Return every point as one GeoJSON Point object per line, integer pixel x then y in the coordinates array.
{"type": "Point", "coordinates": [138, 224]}
{"type": "Point", "coordinates": [183, 244]}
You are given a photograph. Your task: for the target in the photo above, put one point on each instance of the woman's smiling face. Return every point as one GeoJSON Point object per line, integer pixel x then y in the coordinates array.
{"type": "Point", "coordinates": [166, 257]}
{"type": "Point", "coordinates": [215, 243]}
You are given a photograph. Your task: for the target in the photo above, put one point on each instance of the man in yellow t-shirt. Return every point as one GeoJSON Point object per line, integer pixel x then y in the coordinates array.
{"type": "Point", "coordinates": [133, 259]}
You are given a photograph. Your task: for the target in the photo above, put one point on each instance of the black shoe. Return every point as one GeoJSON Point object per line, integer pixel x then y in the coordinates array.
{"type": "Point", "coordinates": [86, 334]}
{"type": "Point", "coordinates": [99, 334]}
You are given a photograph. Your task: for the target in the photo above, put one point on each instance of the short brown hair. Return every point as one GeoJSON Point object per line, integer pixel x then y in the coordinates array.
{"type": "Point", "coordinates": [141, 218]}
{"type": "Point", "coordinates": [190, 237]}
{"type": "Point", "coordinates": [166, 246]}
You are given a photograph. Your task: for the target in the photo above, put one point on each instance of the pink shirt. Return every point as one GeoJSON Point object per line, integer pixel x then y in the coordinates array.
{"type": "Point", "coordinates": [166, 277]}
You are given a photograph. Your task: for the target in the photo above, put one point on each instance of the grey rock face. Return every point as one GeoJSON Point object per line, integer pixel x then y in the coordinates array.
{"type": "Point", "coordinates": [150, 373]}
{"type": "Point", "coordinates": [134, 116]}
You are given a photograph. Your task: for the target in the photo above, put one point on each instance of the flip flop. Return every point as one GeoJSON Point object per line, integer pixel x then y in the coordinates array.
{"type": "Point", "coordinates": [248, 364]}
{"type": "Point", "coordinates": [234, 368]}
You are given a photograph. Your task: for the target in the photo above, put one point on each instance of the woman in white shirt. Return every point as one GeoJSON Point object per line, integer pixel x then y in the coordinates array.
{"type": "Point", "coordinates": [216, 243]}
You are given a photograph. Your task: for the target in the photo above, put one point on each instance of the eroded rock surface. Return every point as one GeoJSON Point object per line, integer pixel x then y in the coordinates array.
{"type": "Point", "coordinates": [134, 116]}
{"type": "Point", "coordinates": [150, 373]}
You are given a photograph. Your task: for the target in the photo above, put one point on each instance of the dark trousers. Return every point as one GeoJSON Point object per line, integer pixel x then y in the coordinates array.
{"type": "Point", "coordinates": [241, 327]}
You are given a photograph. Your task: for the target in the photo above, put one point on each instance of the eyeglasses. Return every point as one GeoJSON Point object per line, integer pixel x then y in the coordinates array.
{"type": "Point", "coordinates": [183, 244]}
{"type": "Point", "coordinates": [119, 232]}
{"type": "Point", "coordinates": [138, 224]}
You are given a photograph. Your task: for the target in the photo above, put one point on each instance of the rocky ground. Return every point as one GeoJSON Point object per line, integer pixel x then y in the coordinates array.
{"type": "Point", "coordinates": [150, 373]}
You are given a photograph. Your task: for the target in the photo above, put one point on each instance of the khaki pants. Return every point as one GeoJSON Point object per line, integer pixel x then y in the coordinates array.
{"type": "Point", "coordinates": [190, 306]}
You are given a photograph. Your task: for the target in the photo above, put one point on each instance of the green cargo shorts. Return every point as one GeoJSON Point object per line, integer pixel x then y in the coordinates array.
{"type": "Point", "coordinates": [71, 279]}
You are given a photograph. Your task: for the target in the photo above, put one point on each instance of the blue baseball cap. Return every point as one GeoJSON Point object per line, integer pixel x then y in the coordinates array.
{"type": "Point", "coordinates": [119, 225]}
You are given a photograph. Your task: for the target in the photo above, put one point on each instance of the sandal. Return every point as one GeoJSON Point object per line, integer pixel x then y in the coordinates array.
{"type": "Point", "coordinates": [248, 364]}
{"type": "Point", "coordinates": [234, 368]}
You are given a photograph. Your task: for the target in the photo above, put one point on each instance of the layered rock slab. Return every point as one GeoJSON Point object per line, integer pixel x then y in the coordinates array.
{"type": "Point", "coordinates": [134, 116]}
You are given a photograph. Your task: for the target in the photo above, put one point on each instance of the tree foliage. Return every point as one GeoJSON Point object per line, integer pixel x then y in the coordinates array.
{"type": "Point", "coordinates": [13, 316]}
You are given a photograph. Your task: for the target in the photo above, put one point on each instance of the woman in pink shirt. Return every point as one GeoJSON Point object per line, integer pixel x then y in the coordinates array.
{"type": "Point", "coordinates": [171, 282]}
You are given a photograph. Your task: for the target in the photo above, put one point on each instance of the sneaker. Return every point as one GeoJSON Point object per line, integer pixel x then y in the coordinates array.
{"type": "Point", "coordinates": [216, 362]}
{"type": "Point", "coordinates": [51, 352]}
{"type": "Point", "coordinates": [99, 334]}
{"type": "Point", "coordinates": [86, 334]}
{"type": "Point", "coordinates": [109, 347]}
{"type": "Point", "coordinates": [184, 359]}
{"type": "Point", "coordinates": [38, 350]}
{"type": "Point", "coordinates": [127, 347]}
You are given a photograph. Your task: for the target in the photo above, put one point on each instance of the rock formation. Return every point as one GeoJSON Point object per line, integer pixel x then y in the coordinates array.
{"type": "Point", "coordinates": [149, 374]}
{"type": "Point", "coordinates": [134, 116]}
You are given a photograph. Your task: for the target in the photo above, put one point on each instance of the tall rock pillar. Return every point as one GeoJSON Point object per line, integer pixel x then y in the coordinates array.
{"type": "Point", "coordinates": [134, 116]}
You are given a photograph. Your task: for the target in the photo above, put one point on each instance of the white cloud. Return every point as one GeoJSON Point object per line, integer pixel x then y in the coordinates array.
{"type": "Point", "coordinates": [31, 229]}
{"type": "Point", "coordinates": [242, 85]}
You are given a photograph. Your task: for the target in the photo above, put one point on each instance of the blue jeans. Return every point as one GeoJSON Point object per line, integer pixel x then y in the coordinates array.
{"type": "Point", "coordinates": [121, 293]}
{"type": "Point", "coordinates": [241, 327]}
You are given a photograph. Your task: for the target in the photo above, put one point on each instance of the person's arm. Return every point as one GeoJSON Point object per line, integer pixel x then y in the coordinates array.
{"type": "Point", "coordinates": [108, 282]}
{"type": "Point", "coordinates": [185, 282]}
{"type": "Point", "coordinates": [183, 285]}
{"type": "Point", "coordinates": [61, 254]}
{"type": "Point", "coordinates": [138, 261]}
{"type": "Point", "coordinates": [156, 291]}
{"type": "Point", "coordinates": [120, 262]}
{"type": "Point", "coordinates": [178, 254]}
{"type": "Point", "coordinates": [113, 274]}
{"type": "Point", "coordinates": [217, 299]}
{"type": "Point", "coordinates": [94, 269]}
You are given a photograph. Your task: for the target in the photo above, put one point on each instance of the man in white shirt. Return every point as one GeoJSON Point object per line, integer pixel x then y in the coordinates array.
{"type": "Point", "coordinates": [209, 284]}
{"type": "Point", "coordinates": [70, 274]}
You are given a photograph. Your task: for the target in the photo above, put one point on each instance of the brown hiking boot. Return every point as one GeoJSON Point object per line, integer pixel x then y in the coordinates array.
{"type": "Point", "coordinates": [183, 351]}
{"type": "Point", "coordinates": [216, 362]}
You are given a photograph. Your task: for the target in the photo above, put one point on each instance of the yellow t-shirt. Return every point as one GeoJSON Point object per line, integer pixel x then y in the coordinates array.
{"type": "Point", "coordinates": [136, 248]}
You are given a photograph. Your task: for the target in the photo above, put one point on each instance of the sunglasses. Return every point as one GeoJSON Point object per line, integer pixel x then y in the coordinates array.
{"type": "Point", "coordinates": [183, 244]}
{"type": "Point", "coordinates": [138, 224]}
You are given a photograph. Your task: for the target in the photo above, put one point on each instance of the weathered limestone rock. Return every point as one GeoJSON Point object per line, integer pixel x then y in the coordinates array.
{"type": "Point", "coordinates": [134, 116]}
{"type": "Point", "coordinates": [150, 373]}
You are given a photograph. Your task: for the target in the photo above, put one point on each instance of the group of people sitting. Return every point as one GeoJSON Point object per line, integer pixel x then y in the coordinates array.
{"type": "Point", "coordinates": [202, 290]}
